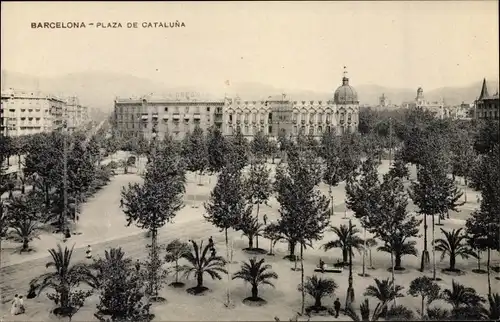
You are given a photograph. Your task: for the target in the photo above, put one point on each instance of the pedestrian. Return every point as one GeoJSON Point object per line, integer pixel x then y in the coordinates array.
{"type": "Point", "coordinates": [14, 309]}
{"type": "Point", "coordinates": [138, 265]}
{"type": "Point", "coordinates": [21, 305]}
{"type": "Point", "coordinates": [89, 252]}
{"type": "Point", "coordinates": [210, 242]}
{"type": "Point", "coordinates": [336, 305]}
{"type": "Point", "coordinates": [121, 203]}
{"type": "Point", "coordinates": [265, 219]}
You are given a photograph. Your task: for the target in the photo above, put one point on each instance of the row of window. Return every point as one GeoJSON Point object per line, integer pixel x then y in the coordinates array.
{"type": "Point", "coordinates": [295, 117]}
{"type": "Point", "coordinates": [175, 109]}
{"type": "Point", "coordinates": [248, 130]}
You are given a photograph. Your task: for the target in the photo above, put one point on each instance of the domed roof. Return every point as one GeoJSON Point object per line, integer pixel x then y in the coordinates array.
{"type": "Point", "coordinates": [345, 94]}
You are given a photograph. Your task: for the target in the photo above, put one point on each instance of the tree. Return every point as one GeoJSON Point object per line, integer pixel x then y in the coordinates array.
{"type": "Point", "coordinates": [453, 245]}
{"type": "Point", "coordinates": [477, 247]}
{"type": "Point", "coordinates": [363, 197]}
{"type": "Point", "coordinates": [250, 227]}
{"type": "Point", "coordinates": [258, 187]}
{"type": "Point", "coordinates": [217, 149]}
{"type": "Point", "coordinates": [303, 210]}
{"type": "Point", "coordinates": [260, 146]}
{"type": "Point", "coordinates": [154, 203]}
{"type": "Point", "coordinates": [459, 295]}
{"type": "Point", "coordinates": [483, 223]}
{"type": "Point", "coordinates": [347, 240]}
{"type": "Point", "coordinates": [318, 288]}
{"type": "Point", "coordinates": [399, 246]}
{"type": "Point", "coordinates": [330, 153]}
{"type": "Point", "coordinates": [238, 150]}
{"type": "Point", "coordinates": [364, 308]}
{"type": "Point", "coordinates": [24, 231]}
{"type": "Point", "coordinates": [256, 273]}
{"type": "Point", "coordinates": [463, 156]}
{"type": "Point", "coordinates": [200, 264]}
{"type": "Point", "coordinates": [175, 251]}
{"type": "Point", "coordinates": [399, 167]}
{"type": "Point", "coordinates": [434, 194]}
{"type": "Point", "coordinates": [493, 311]}
{"type": "Point", "coordinates": [64, 280]}
{"type": "Point", "coordinates": [227, 202]}
{"type": "Point", "coordinates": [198, 156]}
{"type": "Point", "coordinates": [487, 136]}
{"type": "Point", "coordinates": [272, 232]}
{"type": "Point", "coordinates": [370, 243]}
{"type": "Point", "coordinates": [384, 291]}
{"type": "Point", "coordinates": [427, 289]}
{"type": "Point", "coordinates": [121, 287]}
{"type": "Point", "coordinates": [350, 152]}
{"type": "Point", "coordinates": [4, 219]}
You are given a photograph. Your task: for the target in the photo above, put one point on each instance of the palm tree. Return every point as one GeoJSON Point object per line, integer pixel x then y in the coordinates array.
{"type": "Point", "coordinates": [399, 313]}
{"type": "Point", "coordinates": [364, 308]}
{"type": "Point", "coordinates": [318, 288]}
{"type": "Point", "coordinates": [65, 278]}
{"type": "Point", "coordinates": [384, 290]}
{"type": "Point", "coordinates": [493, 312]}
{"type": "Point", "coordinates": [25, 230]}
{"type": "Point", "coordinates": [400, 247]}
{"type": "Point", "coordinates": [200, 263]}
{"type": "Point", "coordinates": [347, 240]}
{"type": "Point", "coordinates": [175, 250]}
{"type": "Point", "coordinates": [272, 233]}
{"type": "Point", "coordinates": [459, 296]}
{"type": "Point", "coordinates": [370, 243]}
{"type": "Point", "coordinates": [256, 273]}
{"type": "Point", "coordinates": [251, 228]}
{"type": "Point", "coordinates": [453, 245]}
{"type": "Point", "coordinates": [437, 314]}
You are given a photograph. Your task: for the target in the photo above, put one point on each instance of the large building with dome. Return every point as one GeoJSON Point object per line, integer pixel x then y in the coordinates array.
{"type": "Point", "coordinates": [291, 116]}
{"type": "Point", "coordinates": [147, 116]}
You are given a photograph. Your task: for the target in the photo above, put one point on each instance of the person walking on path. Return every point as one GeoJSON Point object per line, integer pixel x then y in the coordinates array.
{"type": "Point", "coordinates": [138, 266]}
{"type": "Point", "coordinates": [21, 305]}
{"type": "Point", "coordinates": [14, 309]}
{"type": "Point", "coordinates": [265, 219]}
{"type": "Point", "coordinates": [89, 252]}
{"type": "Point", "coordinates": [336, 306]}
{"type": "Point", "coordinates": [210, 242]}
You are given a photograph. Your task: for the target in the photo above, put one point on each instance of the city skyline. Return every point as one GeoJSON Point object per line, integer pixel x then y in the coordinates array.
{"type": "Point", "coordinates": [290, 45]}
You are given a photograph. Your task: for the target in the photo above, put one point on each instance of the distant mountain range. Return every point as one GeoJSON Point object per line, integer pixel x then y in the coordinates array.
{"type": "Point", "coordinates": [98, 89]}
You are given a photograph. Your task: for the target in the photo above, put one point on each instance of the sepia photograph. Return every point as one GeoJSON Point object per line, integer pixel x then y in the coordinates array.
{"type": "Point", "coordinates": [249, 161]}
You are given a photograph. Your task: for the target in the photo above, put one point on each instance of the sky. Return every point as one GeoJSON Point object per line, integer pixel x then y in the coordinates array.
{"type": "Point", "coordinates": [299, 45]}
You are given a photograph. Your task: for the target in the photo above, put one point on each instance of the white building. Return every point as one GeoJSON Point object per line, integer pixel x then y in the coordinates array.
{"type": "Point", "coordinates": [30, 112]}
{"type": "Point", "coordinates": [291, 117]}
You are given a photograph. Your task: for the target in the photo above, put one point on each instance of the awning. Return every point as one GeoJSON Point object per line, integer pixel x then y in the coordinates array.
{"type": "Point", "coordinates": [144, 117]}
{"type": "Point", "coordinates": [197, 116]}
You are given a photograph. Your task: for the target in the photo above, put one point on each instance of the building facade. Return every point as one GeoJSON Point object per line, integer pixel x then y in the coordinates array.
{"type": "Point", "coordinates": [30, 112]}
{"type": "Point", "coordinates": [76, 114]}
{"type": "Point", "coordinates": [273, 115]}
{"type": "Point", "coordinates": [293, 117]}
{"type": "Point", "coordinates": [2, 121]}
{"type": "Point", "coordinates": [486, 106]}
{"type": "Point", "coordinates": [144, 116]}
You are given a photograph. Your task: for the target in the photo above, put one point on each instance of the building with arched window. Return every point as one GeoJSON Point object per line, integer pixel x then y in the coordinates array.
{"type": "Point", "coordinates": [285, 115]}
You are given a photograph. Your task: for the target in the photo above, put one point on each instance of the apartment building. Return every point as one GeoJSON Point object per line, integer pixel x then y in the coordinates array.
{"type": "Point", "coordinates": [30, 112]}
{"type": "Point", "coordinates": [76, 114]}
{"type": "Point", "coordinates": [272, 116]}
{"type": "Point", "coordinates": [147, 115]}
